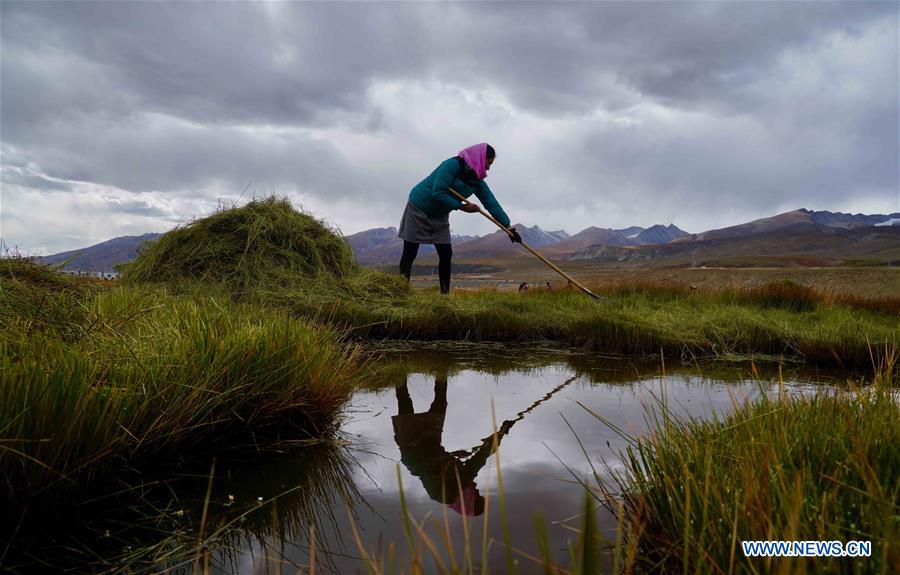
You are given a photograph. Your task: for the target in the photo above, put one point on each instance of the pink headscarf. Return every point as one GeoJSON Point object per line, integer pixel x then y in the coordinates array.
{"type": "Point", "coordinates": [476, 158]}
{"type": "Point", "coordinates": [465, 503]}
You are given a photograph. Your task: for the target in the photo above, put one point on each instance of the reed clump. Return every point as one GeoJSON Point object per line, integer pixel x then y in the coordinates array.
{"type": "Point", "coordinates": [821, 468]}
{"type": "Point", "coordinates": [658, 288]}
{"type": "Point", "coordinates": [133, 376]}
{"type": "Point", "coordinates": [790, 295]}
{"type": "Point", "coordinates": [783, 294]}
{"type": "Point", "coordinates": [886, 305]}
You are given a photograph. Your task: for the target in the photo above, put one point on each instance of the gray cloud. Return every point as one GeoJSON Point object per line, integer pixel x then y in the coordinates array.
{"type": "Point", "coordinates": [290, 62]}
{"type": "Point", "coordinates": [604, 113]}
{"type": "Point", "coordinates": [208, 62]}
{"type": "Point", "coordinates": [21, 176]}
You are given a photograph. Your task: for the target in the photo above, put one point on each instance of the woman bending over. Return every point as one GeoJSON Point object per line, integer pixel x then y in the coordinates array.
{"type": "Point", "coordinates": [426, 219]}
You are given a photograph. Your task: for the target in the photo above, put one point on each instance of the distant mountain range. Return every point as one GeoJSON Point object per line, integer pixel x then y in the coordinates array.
{"type": "Point", "coordinates": [803, 236]}
{"type": "Point", "coordinates": [381, 245]}
{"type": "Point", "coordinates": [102, 257]}
{"type": "Point", "coordinates": [799, 237]}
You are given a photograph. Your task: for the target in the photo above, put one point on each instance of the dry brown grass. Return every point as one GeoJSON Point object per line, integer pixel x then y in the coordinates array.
{"type": "Point", "coordinates": [867, 282]}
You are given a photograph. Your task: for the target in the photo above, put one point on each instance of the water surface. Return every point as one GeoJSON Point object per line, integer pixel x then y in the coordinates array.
{"type": "Point", "coordinates": [430, 430]}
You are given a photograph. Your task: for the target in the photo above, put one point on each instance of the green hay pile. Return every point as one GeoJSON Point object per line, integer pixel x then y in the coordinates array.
{"type": "Point", "coordinates": [34, 297]}
{"type": "Point", "coordinates": [266, 243]}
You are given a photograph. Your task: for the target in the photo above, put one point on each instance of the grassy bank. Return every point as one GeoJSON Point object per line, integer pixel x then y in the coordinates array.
{"type": "Point", "coordinates": [635, 319]}
{"type": "Point", "coordinates": [98, 379]}
{"type": "Point", "coordinates": [177, 361]}
{"type": "Point", "coordinates": [823, 468]}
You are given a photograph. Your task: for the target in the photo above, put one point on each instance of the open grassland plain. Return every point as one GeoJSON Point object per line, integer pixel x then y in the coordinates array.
{"type": "Point", "coordinates": [508, 273]}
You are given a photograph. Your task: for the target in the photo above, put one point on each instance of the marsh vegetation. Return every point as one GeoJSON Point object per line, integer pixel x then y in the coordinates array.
{"type": "Point", "coordinates": [249, 331]}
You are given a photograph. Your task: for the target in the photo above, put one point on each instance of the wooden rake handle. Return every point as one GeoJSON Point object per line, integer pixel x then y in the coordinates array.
{"type": "Point", "coordinates": [526, 246]}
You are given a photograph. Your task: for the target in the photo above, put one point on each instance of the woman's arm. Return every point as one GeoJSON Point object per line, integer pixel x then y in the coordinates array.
{"type": "Point", "coordinates": [483, 193]}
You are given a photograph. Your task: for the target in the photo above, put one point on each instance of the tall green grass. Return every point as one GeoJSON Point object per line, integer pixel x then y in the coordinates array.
{"type": "Point", "coordinates": [188, 356]}
{"type": "Point", "coordinates": [825, 468]}
{"type": "Point", "coordinates": [633, 320]}
{"type": "Point", "coordinates": [132, 376]}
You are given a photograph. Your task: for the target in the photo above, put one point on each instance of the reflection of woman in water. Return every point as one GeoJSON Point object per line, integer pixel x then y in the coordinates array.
{"type": "Point", "coordinates": [418, 435]}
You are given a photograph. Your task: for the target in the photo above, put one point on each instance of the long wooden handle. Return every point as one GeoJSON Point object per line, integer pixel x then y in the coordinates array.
{"type": "Point", "coordinates": [526, 246]}
{"type": "Point", "coordinates": [521, 415]}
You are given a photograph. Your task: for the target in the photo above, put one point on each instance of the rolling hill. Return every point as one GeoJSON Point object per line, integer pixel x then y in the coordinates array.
{"type": "Point", "coordinates": [794, 220]}
{"type": "Point", "coordinates": [798, 244]}
{"type": "Point", "coordinates": [102, 257]}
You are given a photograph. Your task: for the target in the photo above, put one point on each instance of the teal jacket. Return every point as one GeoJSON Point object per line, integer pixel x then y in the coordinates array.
{"type": "Point", "coordinates": [431, 195]}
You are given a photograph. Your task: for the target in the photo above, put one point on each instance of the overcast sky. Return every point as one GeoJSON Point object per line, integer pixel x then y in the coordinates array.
{"type": "Point", "coordinates": [120, 118]}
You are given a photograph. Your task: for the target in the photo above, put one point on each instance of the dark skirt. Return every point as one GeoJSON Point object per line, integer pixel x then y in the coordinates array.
{"type": "Point", "coordinates": [420, 228]}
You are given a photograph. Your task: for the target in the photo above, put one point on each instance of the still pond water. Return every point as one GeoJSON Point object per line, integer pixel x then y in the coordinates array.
{"type": "Point", "coordinates": [431, 422]}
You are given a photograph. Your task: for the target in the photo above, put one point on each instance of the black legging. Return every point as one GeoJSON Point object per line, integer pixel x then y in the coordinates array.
{"type": "Point", "coordinates": [445, 253]}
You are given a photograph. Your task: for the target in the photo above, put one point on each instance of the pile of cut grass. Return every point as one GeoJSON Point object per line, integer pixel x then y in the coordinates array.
{"type": "Point", "coordinates": [131, 377]}
{"type": "Point", "coordinates": [261, 244]}
{"type": "Point", "coordinates": [37, 298]}
{"type": "Point", "coordinates": [821, 468]}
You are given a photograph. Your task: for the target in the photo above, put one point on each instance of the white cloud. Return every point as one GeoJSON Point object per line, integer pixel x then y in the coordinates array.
{"type": "Point", "coordinates": [86, 215]}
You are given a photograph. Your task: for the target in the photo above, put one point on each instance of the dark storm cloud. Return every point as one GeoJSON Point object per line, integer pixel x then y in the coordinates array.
{"type": "Point", "coordinates": [690, 53]}
{"type": "Point", "coordinates": [218, 62]}
{"type": "Point", "coordinates": [87, 88]}
{"type": "Point", "coordinates": [578, 56]}
{"type": "Point", "coordinates": [727, 105]}
{"type": "Point", "coordinates": [290, 63]}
